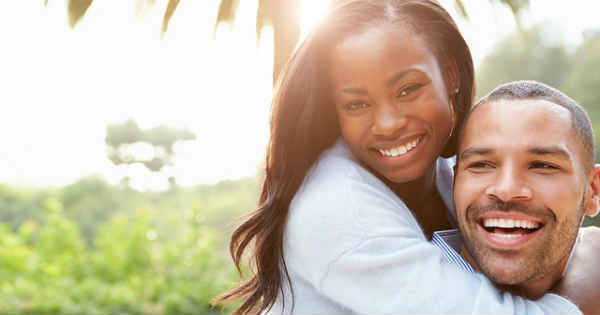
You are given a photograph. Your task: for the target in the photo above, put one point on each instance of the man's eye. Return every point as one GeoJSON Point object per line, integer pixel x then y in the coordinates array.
{"type": "Point", "coordinates": [408, 89]}
{"type": "Point", "coordinates": [355, 106]}
{"type": "Point", "coordinates": [480, 165]}
{"type": "Point", "coordinates": [543, 166]}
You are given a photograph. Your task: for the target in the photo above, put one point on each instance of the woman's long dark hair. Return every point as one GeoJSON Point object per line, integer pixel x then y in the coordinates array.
{"type": "Point", "coordinates": [304, 124]}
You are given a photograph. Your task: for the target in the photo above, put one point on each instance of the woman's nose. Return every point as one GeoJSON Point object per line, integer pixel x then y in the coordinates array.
{"type": "Point", "coordinates": [388, 121]}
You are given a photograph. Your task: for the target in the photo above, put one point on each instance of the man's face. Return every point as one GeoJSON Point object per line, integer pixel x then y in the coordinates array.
{"type": "Point", "coordinates": [520, 189]}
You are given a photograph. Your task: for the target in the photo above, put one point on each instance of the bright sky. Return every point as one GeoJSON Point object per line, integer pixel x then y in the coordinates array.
{"type": "Point", "coordinates": [60, 88]}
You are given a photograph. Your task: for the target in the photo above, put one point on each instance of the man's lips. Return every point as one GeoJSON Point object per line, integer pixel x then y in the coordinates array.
{"type": "Point", "coordinates": [508, 230]}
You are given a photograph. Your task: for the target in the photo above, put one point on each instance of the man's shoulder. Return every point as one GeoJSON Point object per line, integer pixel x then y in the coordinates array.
{"type": "Point", "coordinates": [450, 242]}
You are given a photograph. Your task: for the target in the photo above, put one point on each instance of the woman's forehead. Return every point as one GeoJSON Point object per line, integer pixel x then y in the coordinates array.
{"type": "Point", "coordinates": [386, 48]}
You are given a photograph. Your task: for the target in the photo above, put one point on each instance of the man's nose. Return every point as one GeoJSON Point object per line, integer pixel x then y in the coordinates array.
{"type": "Point", "coordinates": [388, 120]}
{"type": "Point", "coordinates": [509, 185]}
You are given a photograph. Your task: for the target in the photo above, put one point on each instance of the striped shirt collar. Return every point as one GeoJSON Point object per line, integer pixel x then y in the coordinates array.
{"type": "Point", "coordinates": [450, 242]}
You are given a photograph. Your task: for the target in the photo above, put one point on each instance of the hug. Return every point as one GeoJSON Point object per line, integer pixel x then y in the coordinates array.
{"type": "Point", "coordinates": [377, 157]}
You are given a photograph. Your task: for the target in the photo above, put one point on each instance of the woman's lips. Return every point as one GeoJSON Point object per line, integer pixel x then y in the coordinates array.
{"type": "Point", "coordinates": [401, 149]}
{"type": "Point", "coordinates": [399, 153]}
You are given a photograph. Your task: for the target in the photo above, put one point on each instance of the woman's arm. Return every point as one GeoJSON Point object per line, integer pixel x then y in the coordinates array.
{"type": "Point", "coordinates": [581, 283]}
{"type": "Point", "coordinates": [359, 246]}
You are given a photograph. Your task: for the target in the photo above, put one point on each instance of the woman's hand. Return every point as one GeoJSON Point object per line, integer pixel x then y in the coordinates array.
{"type": "Point", "coordinates": [581, 283]}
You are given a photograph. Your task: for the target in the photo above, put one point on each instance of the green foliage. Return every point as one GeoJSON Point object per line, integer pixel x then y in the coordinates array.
{"type": "Point", "coordinates": [142, 253]}
{"type": "Point", "coordinates": [525, 55]}
{"type": "Point", "coordinates": [583, 81]}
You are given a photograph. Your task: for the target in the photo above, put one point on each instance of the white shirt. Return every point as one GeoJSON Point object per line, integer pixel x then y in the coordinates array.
{"type": "Point", "coordinates": [352, 246]}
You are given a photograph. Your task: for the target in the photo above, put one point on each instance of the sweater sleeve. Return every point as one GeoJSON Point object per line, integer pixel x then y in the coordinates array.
{"type": "Point", "coordinates": [359, 246]}
{"type": "Point", "coordinates": [397, 275]}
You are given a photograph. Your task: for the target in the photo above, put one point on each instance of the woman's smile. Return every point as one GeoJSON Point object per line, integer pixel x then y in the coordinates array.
{"type": "Point", "coordinates": [402, 148]}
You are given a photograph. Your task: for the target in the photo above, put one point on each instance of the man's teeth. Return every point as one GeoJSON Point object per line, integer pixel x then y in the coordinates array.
{"type": "Point", "coordinates": [510, 223]}
{"type": "Point", "coordinates": [503, 235]}
{"type": "Point", "coordinates": [403, 149]}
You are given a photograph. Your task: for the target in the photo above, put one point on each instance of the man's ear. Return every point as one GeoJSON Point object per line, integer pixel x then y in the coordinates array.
{"type": "Point", "coordinates": [592, 207]}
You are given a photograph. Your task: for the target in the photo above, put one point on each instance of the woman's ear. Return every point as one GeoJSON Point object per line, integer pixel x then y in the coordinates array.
{"type": "Point", "coordinates": [592, 207]}
{"type": "Point", "coordinates": [453, 83]}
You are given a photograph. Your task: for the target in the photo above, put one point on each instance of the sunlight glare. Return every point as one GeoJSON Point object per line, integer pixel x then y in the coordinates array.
{"type": "Point", "coordinates": [311, 13]}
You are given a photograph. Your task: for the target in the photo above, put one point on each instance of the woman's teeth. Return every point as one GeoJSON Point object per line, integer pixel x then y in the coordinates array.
{"type": "Point", "coordinates": [400, 150]}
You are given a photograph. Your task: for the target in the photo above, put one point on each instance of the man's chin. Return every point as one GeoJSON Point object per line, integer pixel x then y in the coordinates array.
{"type": "Point", "coordinates": [507, 273]}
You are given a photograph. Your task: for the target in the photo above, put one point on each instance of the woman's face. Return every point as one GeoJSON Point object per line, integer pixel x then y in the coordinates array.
{"type": "Point", "coordinates": [391, 101]}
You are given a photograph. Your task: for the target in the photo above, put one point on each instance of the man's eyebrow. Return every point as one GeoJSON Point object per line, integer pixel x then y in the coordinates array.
{"type": "Point", "coordinates": [475, 151]}
{"type": "Point", "coordinates": [537, 150]}
{"type": "Point", "coordinates": [551, 150]}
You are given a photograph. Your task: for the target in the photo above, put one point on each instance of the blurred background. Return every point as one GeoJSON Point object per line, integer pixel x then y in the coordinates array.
{"type": "Point", "coordinates": [133, 134]}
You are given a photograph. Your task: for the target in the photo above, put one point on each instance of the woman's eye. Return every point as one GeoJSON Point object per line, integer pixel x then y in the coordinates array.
{"type": "Point", "coordinates": [408, 89]}
{"type": "Point", "coordinates": [356, 106]}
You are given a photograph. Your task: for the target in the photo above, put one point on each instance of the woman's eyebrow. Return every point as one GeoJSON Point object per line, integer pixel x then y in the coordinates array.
{"type": "Point", "coordinates": [393, 80]}
{"type": "Point", "coordinates": [398, 76]}
{"type": "Point", "coordinates": [354, 90]}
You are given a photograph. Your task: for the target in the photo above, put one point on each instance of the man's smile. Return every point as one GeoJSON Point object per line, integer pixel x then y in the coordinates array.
{"type": "Point", "coordinates": [512, 230]}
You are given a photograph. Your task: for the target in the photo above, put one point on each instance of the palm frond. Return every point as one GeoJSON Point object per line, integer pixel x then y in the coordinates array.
{"type": "Point", "coordinates": [460, 7]}
{"type": "Point", "coordinates": [264, 15]}
{"type": "Point", "coordinates": [516, 6]}
{"type": "Point", "coordinates": [227, 10]}
{"type": "Point", "coordinates": [226, 14]}
{"type": "Point", "coordinates": [77, 9]}
{"type": "Point", "coordinates": [171, 6]}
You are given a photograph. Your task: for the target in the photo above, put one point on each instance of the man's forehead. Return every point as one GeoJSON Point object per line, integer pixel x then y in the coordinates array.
{"type": "Point", "coordinates": [518, 116]}
{"type": "Point", "coordinates": [518, 123]}
{"type": "Point", "coordinates": [527, 105]}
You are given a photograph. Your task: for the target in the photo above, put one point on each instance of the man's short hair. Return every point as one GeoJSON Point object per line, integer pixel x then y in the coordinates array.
{"type": "Point", "coordinates": [526, 89]}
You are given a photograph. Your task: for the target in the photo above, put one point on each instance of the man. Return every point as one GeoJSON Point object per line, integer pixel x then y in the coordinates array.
{"type": "Point", "coordinates": [524, 180]}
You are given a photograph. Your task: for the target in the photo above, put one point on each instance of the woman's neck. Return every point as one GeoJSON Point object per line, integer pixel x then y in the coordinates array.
{"type": "Point", "coordinates": [421, 197]}
{"type": "Point", "coordinates": [415, 193]}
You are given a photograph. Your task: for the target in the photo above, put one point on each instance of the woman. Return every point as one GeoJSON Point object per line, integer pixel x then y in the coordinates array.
{"type": "Point", "coordinates": [363, 111]}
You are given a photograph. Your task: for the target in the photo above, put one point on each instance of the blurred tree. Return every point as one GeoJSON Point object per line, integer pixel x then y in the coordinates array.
{"type": "Point", "coordinates": [523, 55]}
{"type": "Point", "coordinates": [582, 82]}
{"type": "Point", "coordinates": [128, 144]}
{"type": "Point", "coordinates": [283, 15]}
{"type": "Point", "coordinates": [582, 85]}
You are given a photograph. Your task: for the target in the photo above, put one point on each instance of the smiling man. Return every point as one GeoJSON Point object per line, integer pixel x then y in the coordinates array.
{"type": "Point", "coordinates": [525, 178]}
